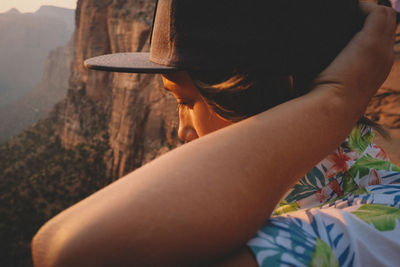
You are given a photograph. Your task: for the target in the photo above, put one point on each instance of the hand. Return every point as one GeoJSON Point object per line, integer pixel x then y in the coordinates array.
{"type": "Point", "coordinates": [365, 62]}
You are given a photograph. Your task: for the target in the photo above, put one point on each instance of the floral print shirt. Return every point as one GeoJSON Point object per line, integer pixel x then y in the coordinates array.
{"type": "Point", "coordinates": [343, 212]}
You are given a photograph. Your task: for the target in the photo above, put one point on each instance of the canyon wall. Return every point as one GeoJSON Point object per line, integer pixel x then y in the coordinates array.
{"type": "Point", "coordinates": [384, 108]}
{"type": "Point", "coordinates": [35, 104]}
{"type": "Point", "coordinates": [107, 125]}
{"type": "Point", "coordinates": [141, 117]}
{"type": "Point", "coordinates": [26, 40]}
{"type": "Point", "coordinates": [35, 62]}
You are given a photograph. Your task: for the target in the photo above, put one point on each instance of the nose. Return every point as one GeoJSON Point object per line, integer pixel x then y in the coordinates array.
{"type": "Point", "coordinates": [186, 131]}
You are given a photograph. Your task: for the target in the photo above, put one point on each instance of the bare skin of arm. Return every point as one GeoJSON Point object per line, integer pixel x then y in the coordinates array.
{"type": "Point", "coordinates": [204, 200]}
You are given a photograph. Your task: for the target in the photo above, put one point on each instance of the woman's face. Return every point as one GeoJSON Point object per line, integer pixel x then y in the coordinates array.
{"type": "Point", "coordinates": [196, 117]}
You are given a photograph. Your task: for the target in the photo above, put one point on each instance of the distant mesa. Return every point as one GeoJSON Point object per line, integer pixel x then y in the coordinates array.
{"type": "Point", "coordinates": [45, 10]}
{"type": "Point", "coordinates": [66, 15]}
{"type": "Point", "coordinates": [13, 11]}
{"type": "Point", "coordinates": [25, 43]}
{"type": "Point", "coordinates": [50, 10]}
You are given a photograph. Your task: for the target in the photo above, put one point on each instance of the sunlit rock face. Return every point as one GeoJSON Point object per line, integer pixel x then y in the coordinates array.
{"type": "Point", "coordinates": [141, 117]}
{"type": "Point", "coordinates": [385, 106]}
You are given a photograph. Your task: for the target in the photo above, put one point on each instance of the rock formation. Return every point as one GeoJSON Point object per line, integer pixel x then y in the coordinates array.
{"type": "Point", "coordinates": [26, 42]}
{"type": "Point", "coordinates": [59, 13]}
{"type": "Point", "coordinates": [107, 125]}
{"type": "Point", "coordinates": [33, 105]}
{"type": "Point", "coordinates": [384, 108]}
{"type": "Point", "coordinates": [27, 38]}
{"type": "Point", "coordinates": [142, 118]}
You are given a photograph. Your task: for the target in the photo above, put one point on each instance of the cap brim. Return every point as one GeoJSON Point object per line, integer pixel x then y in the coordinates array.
{"type": "Point", "coordinates": [127, 62]}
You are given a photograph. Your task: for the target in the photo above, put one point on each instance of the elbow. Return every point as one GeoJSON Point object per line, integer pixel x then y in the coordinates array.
{"type": "Point", "coordinates": [49, 247]}
{"type": "Point", "coordinates": [39, 250]}
{"type": "Point", "coordinates": [62, 243]}
{"type": "Point", "coordinates": [43, 248]}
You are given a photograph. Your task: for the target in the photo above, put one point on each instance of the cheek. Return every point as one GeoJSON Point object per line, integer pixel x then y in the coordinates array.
{"type": "Point", "coordinates": [205, 120]}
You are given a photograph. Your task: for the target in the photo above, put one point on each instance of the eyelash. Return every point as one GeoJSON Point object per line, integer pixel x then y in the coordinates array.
{"type": "Point", "coordinates": [185, 105]}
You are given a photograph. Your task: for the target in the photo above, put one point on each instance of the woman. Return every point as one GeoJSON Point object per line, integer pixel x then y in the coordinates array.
{"type": "Point", "coordinates": [202, 202]}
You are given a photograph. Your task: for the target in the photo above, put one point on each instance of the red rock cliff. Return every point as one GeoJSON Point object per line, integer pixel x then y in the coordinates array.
{"type": "Point", "coordinates": [384, 108]}
{"type": "Point", "coordinates": [141, 118]}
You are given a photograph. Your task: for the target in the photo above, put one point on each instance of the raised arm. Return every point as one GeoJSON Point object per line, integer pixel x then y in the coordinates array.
{"type": "Point", "coordinates": [207, 198]}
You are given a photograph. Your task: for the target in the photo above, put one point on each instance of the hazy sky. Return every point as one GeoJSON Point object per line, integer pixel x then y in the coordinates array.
{"type": "Point", "coordinates": [33, 5]}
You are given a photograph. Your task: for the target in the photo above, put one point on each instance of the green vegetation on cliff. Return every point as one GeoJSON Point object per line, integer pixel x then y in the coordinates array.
{"type": "Point", "coordinates": [39, 178]}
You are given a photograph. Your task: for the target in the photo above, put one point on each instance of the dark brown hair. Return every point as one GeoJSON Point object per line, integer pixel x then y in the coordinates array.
{"type": "Point", "coordinates": [236, 95]}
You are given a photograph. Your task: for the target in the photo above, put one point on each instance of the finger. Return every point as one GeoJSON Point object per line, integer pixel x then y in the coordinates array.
{"type": "Point", "coordinates": [380, 23]}
{"type": "Point", "coordinates": [391, 25]}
